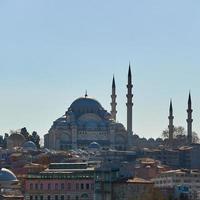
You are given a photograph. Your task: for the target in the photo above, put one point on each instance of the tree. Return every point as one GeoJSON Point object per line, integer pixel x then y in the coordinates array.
{"type": "Point", "coordinates": [195, 137]}
{"type": "Point", "coordinates": [5, 140]}
{"type": "Point", "coordinates": [25, 133]}
{"type": "Point", "coordinates": [178, 131]}
{"type": "Point", "coordinates": [35, 138]}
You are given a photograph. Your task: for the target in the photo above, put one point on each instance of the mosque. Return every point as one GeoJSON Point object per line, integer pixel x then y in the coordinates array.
{"type": "Point", "coordinates": [86, 122]}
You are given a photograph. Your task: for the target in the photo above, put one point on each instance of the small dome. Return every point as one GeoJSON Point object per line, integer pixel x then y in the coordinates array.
{"type": "Point", "coordinates": [7, 175]}
{"type": "Point", "coordinates": [94, 145]}
{"type": "Point", "coordinates": [30, 146]}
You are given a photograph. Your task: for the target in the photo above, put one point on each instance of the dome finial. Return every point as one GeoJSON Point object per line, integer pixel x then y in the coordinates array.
{"type": "Point", "coordinates": [86, 95]}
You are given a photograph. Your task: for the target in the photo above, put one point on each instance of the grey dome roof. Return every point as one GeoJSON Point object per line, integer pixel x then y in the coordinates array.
{"type": "Point", "coordinates": [94, 145]}
{"type": "Point", "coordinates": [86, 104]}
{"type": "Point", "coordinates": [7, 175]}
{"type": "Point", "coordinates": [29, 145]}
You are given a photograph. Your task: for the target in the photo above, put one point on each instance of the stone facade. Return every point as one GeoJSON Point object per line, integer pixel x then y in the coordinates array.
{"type": "Point", "coordinates": [86, 121]}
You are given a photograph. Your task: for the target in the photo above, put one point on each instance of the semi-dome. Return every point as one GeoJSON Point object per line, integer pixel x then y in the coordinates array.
{"type": "Point", "coordinates": [7, 175]}
{"type": "Point", "coordinates": [86, 104]}
{"type": "Point", "coordinates": [94, 145]}
{"type": "Point", "coordinates": [29, 146]}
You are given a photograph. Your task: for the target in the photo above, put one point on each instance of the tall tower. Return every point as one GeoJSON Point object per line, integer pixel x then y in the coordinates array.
{"type": "Point", "coordinates": [129, 103]}
{"type": "Point", "coordinates": [189, 120]}
{"type": "Point", "coordinates": [171, 124]}
{"type": "Point", "coordinates": [113, 100]}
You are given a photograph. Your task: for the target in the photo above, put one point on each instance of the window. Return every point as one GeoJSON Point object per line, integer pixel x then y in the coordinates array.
{"type": "Point", "coordinates": [41, 197]}
{"type": "Point", "coordinates": [48, 197]}
{"type": "Point", "coordinates": [62, 197]}
{"type": "Point", "coordinates": [56, 197]}
{"type": "Point", "coordinates": [87, 186]}
{"type": "Point", "coordinates": [41, 186]}
{"type": "Point", "coordinates": [68, 197]}
{"type": "Point", "coordinates": [77, 198]}
{"type": "Point", "coordinates": [31, 186]}
{"type": "Point", "coordinates": [82, 186]}
{"type": "Point", "coordinates": [56, 186]}
{"type": "Point", "coordinates": [92, 186]}
{"type": "Point", "coordinates": [68, 186]}
{"type": "Point", "coordinates": [36, 186]}
{"type": "Point", "coordinates": [36, 198]}
{"type": "Point", "coordinates": [62, 186]}
{"type": "Point", "coordinates": [31, 197]}
{"type": "Point", "coordinates": [49, 186]}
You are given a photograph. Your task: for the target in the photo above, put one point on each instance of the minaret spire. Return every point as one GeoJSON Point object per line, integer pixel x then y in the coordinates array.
{"type": "Point", "coordinates": [86, 95]}
{"type": "Point", "coordinates": [129, 103]}
{"type": "Point", "coordinates": [171, 125]}
{"type": "Point", "coordinates": [189, 120]}
{"type": "Point", "coordinates": [113, 100]}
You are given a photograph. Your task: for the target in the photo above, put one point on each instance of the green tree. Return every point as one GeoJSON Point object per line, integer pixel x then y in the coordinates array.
{"type": "Point", "coordinates": [35, 138]}
{"type": "Point", "coordinates": [25, 133]}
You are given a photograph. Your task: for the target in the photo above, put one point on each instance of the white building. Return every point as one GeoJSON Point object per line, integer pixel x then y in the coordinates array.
{"type": "Point", "coordinates": [174, 178]}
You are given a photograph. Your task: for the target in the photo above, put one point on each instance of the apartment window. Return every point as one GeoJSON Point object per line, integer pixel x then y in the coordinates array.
{"type": "Point", "coordinates": [36, 198]}
{"type": "Point", "coordinates": [62, 186]}
{"type": "Point", "coordinates": [49, 186]}
{"type": "Point", "coordinates": [77, 198]}
{"type": "Point", "coordinates": [56, 197]}
{"type": "Point", "coordinates": [41, 197]}
{"type": "Point", "coordinates": [77, 186]}
{"type": "Point", "coordinates": [82, 186]}
{"type": "Point", "coordinates": [56, 186]}
{"type": "Point", "coordinates": [87, 186]}
{"type": "Point", "coordinates": [36, 186]}
{"type": "Point", "coordinates": [41, 186]}
{"type": "Point", "coordinates": [31, 197]}
{"type": "Point", "coordinates": [62, 197]}
{"type": "Point", "coordinates": [48, 197]}
{"type": "Point", "coordinates": [68, 186]}
{"type": "Point", "coordinates": [31, 186]}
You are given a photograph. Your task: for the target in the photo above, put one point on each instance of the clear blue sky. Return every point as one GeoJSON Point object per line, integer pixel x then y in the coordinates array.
{"type": "Point", "coordinates": [51, 51]}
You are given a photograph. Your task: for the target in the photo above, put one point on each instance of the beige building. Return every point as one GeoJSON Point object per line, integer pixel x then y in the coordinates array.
{"type": "Point", "coordinates": [133, 189]}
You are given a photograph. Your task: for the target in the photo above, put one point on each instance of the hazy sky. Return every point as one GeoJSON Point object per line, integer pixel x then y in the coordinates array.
{"type": "Point", "coordinates": [51, 51]}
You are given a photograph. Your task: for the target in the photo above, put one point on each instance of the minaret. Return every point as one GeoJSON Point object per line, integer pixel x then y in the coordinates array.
{"type": "Point", "coordinates": [113, 100]}
{"type": "Point", "coordinates": [86, 95]}
{"type": "Point", "coordinates": [189, 120]}
{"type": "Point", "coordinates": [171, 125]}
{"type": "Point", "coordinates": [129, 103]}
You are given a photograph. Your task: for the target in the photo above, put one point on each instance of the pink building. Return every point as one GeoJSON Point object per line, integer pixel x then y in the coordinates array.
{"type": "Point", "coordinates": [63, 181]}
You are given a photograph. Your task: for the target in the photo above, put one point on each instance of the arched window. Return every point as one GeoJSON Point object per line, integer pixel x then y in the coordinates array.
{"type": "Point", "coordinates": [62, 186]}
{"type": "Point", "coordinates": [84, 196]}
{"type": "Point", "coordinates": [49, 186]}
{"type": "Point", "coordinates": [69, 186]}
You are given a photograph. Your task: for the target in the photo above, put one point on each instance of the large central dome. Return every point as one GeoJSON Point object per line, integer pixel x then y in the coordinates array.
{"type": "Point", "coordinates": [85, 104]}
